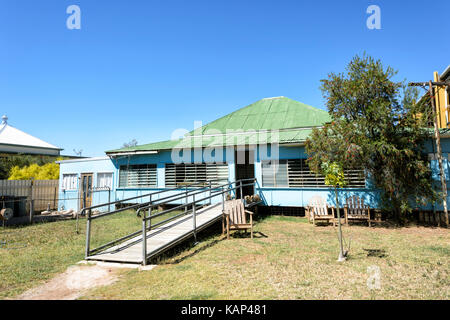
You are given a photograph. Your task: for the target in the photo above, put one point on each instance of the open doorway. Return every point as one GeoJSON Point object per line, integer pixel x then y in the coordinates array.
{"type": "Point", "coordinates": [245, 169]}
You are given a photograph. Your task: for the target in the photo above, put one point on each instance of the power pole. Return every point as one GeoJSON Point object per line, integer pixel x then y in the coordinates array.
{"type": "Point", "coordinates": [439, 154]}
{"type": "Point", "coordinates": [437, 136]}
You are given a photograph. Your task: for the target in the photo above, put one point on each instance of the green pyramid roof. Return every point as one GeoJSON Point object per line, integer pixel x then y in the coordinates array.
{"type": "Point", "coordinates": [269, 114]}
{"type": "Point", "coordinates": [293, 119]}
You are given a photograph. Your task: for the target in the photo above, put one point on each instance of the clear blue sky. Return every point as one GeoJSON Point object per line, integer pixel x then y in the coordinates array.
{"type": "Point", "coordinates": [140, 69]}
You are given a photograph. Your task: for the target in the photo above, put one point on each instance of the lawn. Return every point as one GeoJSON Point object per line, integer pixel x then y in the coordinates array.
{"type": "Point", "coordinates": [31, 254]}
{"type": "Point", "coordinates": [287, 259]}
{"type": "Point", "coordinates": [291, 259]}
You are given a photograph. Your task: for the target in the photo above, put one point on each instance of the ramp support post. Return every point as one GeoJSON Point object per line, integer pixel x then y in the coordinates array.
{"type": "Point", "coordinates": [194, 218]}
{"type": "Point", "coordinates": [144, 241]}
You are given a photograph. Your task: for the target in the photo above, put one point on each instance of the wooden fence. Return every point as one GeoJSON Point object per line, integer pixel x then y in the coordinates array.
{"type": "Point", "coordinates": [17, 194]}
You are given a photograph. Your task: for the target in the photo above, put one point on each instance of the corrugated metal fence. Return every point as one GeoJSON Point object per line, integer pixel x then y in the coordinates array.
{"type": "Point", "coordinates": [17, 195]}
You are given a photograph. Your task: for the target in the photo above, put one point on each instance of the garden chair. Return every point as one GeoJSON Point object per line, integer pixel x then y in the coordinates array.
{"type": "Point", "coordinates": [235, 217]}
{"type": "Point", "coordinates": [356, 210]}
{"type": "Point", "coordinates": [317, 210]}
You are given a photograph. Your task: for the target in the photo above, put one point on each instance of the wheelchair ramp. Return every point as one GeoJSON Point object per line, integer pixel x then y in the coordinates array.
{"type": "Point", "coordinates": [160, 238]}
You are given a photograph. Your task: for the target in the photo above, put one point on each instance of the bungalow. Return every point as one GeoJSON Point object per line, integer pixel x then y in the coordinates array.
{"type": "Point", "coordinates": [264, 141]}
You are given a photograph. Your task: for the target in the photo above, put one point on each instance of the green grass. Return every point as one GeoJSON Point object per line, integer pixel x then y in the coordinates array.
{"type": "Point", "coordinates": [291, 259]}
{"type": "Point", "coordinates": [31, 254]}
{"type": "Point", "coordinates": [287, 259]}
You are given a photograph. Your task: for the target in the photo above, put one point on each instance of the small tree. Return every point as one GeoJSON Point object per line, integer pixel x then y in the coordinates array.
{"type": "Point", "coordinates": [334, 176]}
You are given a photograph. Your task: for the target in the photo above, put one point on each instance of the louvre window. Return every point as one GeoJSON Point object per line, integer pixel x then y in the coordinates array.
{"type": "Point", "coordinates": [138, 176]}
{"type": "Point", "coordinates": [184, 174]}
{"type": "Point", "coordinates": [295, 173]}
{"type": "Point", "coordinates": [275, 173]}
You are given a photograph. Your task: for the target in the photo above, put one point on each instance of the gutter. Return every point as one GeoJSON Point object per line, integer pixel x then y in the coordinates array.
{"type": "Point", "coordinates": [133, 153]}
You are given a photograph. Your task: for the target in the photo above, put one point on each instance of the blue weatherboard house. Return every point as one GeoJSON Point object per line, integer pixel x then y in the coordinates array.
{"type": "Point", "coordinates": [264, 140]}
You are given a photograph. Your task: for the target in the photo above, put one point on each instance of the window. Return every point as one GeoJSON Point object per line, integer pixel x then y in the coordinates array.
{"type": "Point", "coordinates": [295, 173]}
{"type": "Point", "coordinates": [137, 176]}
{"type": "Point", "coordinates": [182, 174]}
{"type": "Point", "coordinates": [104, 180]}
{"type": "Point", "coordinates": [70, 181]}
{"type": "Point", "coordinates": [275, 174]}
{"type": "Point", "coordinates": [301, 176]}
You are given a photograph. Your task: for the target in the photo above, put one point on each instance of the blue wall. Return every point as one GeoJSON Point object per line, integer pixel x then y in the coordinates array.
{"type": "Point", "coordinates": [69, 198]}
{"type": "Point", "coordinates": [273, 196]}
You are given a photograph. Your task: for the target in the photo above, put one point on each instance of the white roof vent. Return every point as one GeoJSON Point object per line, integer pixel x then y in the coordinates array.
{"type": "Point", "coordinates": [4, 119]}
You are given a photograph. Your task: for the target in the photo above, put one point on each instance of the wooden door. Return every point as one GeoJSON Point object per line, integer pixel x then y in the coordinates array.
{"type": "Point", "coordinates": [86, 190]}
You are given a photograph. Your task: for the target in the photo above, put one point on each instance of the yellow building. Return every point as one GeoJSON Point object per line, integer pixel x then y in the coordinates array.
{"type": "Point", "coordinates": [442, 98]}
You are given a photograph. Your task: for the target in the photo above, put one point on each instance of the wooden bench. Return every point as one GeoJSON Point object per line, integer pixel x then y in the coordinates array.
{"type": "Point", "coordinates": [235, 217]}
{"type": "Point", "coordinates": [317, 210]}
{"type": "Point", "coordinates": [356, 210]}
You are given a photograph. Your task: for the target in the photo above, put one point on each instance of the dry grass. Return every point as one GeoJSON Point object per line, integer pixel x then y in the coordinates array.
{"type": "Point", "coordinates": [291, 259]}
{"type": "Point", "coordinates": [30, 255]}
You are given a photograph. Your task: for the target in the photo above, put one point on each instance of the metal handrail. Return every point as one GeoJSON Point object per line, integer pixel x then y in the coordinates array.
{"type": "Point", "coordinates": [145, 229]}
{"type": "Point", "coordinates": [89, 218]}
{"type": "Point", "coordinates": [144, 195]}
{"type": "Point", "coordinates": [194, 192]}
{"type": "Point", "coordinates": [203, 199]}
{"type": "Point", "coordinates": [213, 192]}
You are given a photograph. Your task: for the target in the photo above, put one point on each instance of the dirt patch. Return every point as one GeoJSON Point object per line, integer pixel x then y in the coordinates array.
{"type": "Point", "coordinates": [72, 284]}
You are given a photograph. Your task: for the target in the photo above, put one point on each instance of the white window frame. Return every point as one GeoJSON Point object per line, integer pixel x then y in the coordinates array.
{"type": "Point", "coordinates": [71, 187]}
{"type": "Point", "coordinates": [110, 186]}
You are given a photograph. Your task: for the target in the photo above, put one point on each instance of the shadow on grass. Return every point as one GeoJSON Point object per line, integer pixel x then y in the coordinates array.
{"type": "Point", "coordinates": [240, 235]}
{"type": "Point", "coordinates": [201, 247]}
{"type": "Point", "coordinates": [202, 244]}
{"type": "Point", "coordinates": [205, 239]}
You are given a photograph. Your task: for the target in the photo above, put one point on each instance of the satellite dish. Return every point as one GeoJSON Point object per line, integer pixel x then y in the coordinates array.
{"type": "Point", "coordinates": [6, 214]}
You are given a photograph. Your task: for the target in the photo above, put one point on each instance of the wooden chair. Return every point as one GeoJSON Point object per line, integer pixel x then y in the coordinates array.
{"type": "Point", "coordinates": [356, 210]}
{"type": "Point", "coordinates": [317, 210]}
{"type": "Point", "coordinates": [235, 217]}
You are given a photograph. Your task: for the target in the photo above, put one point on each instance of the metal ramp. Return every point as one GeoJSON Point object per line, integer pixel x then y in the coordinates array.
{"type": "Point", "coordinates": [161, 238]}
{"type": "Point", "coordinates": [197, 213]}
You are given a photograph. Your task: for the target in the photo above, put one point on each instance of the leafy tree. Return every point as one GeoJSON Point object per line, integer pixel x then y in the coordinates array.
{"type": "Point", "coordinates": [7, 162]}
{"type": "Point", "coordinates": [49, 171]}
{"type": "Point", "coordinates": [376, 125]}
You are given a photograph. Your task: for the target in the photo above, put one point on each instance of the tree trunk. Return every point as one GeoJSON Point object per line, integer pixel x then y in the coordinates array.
{"type": "Point", "coordinates": [341, 246]}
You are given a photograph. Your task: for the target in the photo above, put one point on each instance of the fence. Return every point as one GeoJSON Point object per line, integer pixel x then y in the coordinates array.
{"type": "Point", "coordinates": [18, 194]}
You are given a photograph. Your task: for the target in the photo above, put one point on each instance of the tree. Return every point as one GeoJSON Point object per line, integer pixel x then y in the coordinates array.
{"type": "Point", "coordinates": [334, 176]}
{"type": "Point", "coordinates": [48, 171]}
{"type": "Point", "coordinates": [378, 126]}
{"type": "Point", "coordinates": [130, 144]}
{"type": "Point", "coordinates": [7, 162]}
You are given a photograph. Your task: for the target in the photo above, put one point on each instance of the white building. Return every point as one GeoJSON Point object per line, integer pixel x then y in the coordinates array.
{"type": "Point", "coordinates": [15, 141]}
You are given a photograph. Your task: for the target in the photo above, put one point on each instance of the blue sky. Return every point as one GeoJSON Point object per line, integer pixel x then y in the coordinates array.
{"type": "Point", "coordinates": [141, 69]}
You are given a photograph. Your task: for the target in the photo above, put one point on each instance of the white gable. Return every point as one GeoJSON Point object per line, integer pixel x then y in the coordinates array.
{"type": "Point", "coordinates": [12, 136]}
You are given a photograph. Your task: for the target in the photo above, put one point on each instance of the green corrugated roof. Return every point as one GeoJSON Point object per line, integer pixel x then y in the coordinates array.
{"type": "Point", "coordinates": [161, 145]}
{"type": "Point", "coordinates": [291, 120]}
{"type": "Point", "coordinates": [269, 114]}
